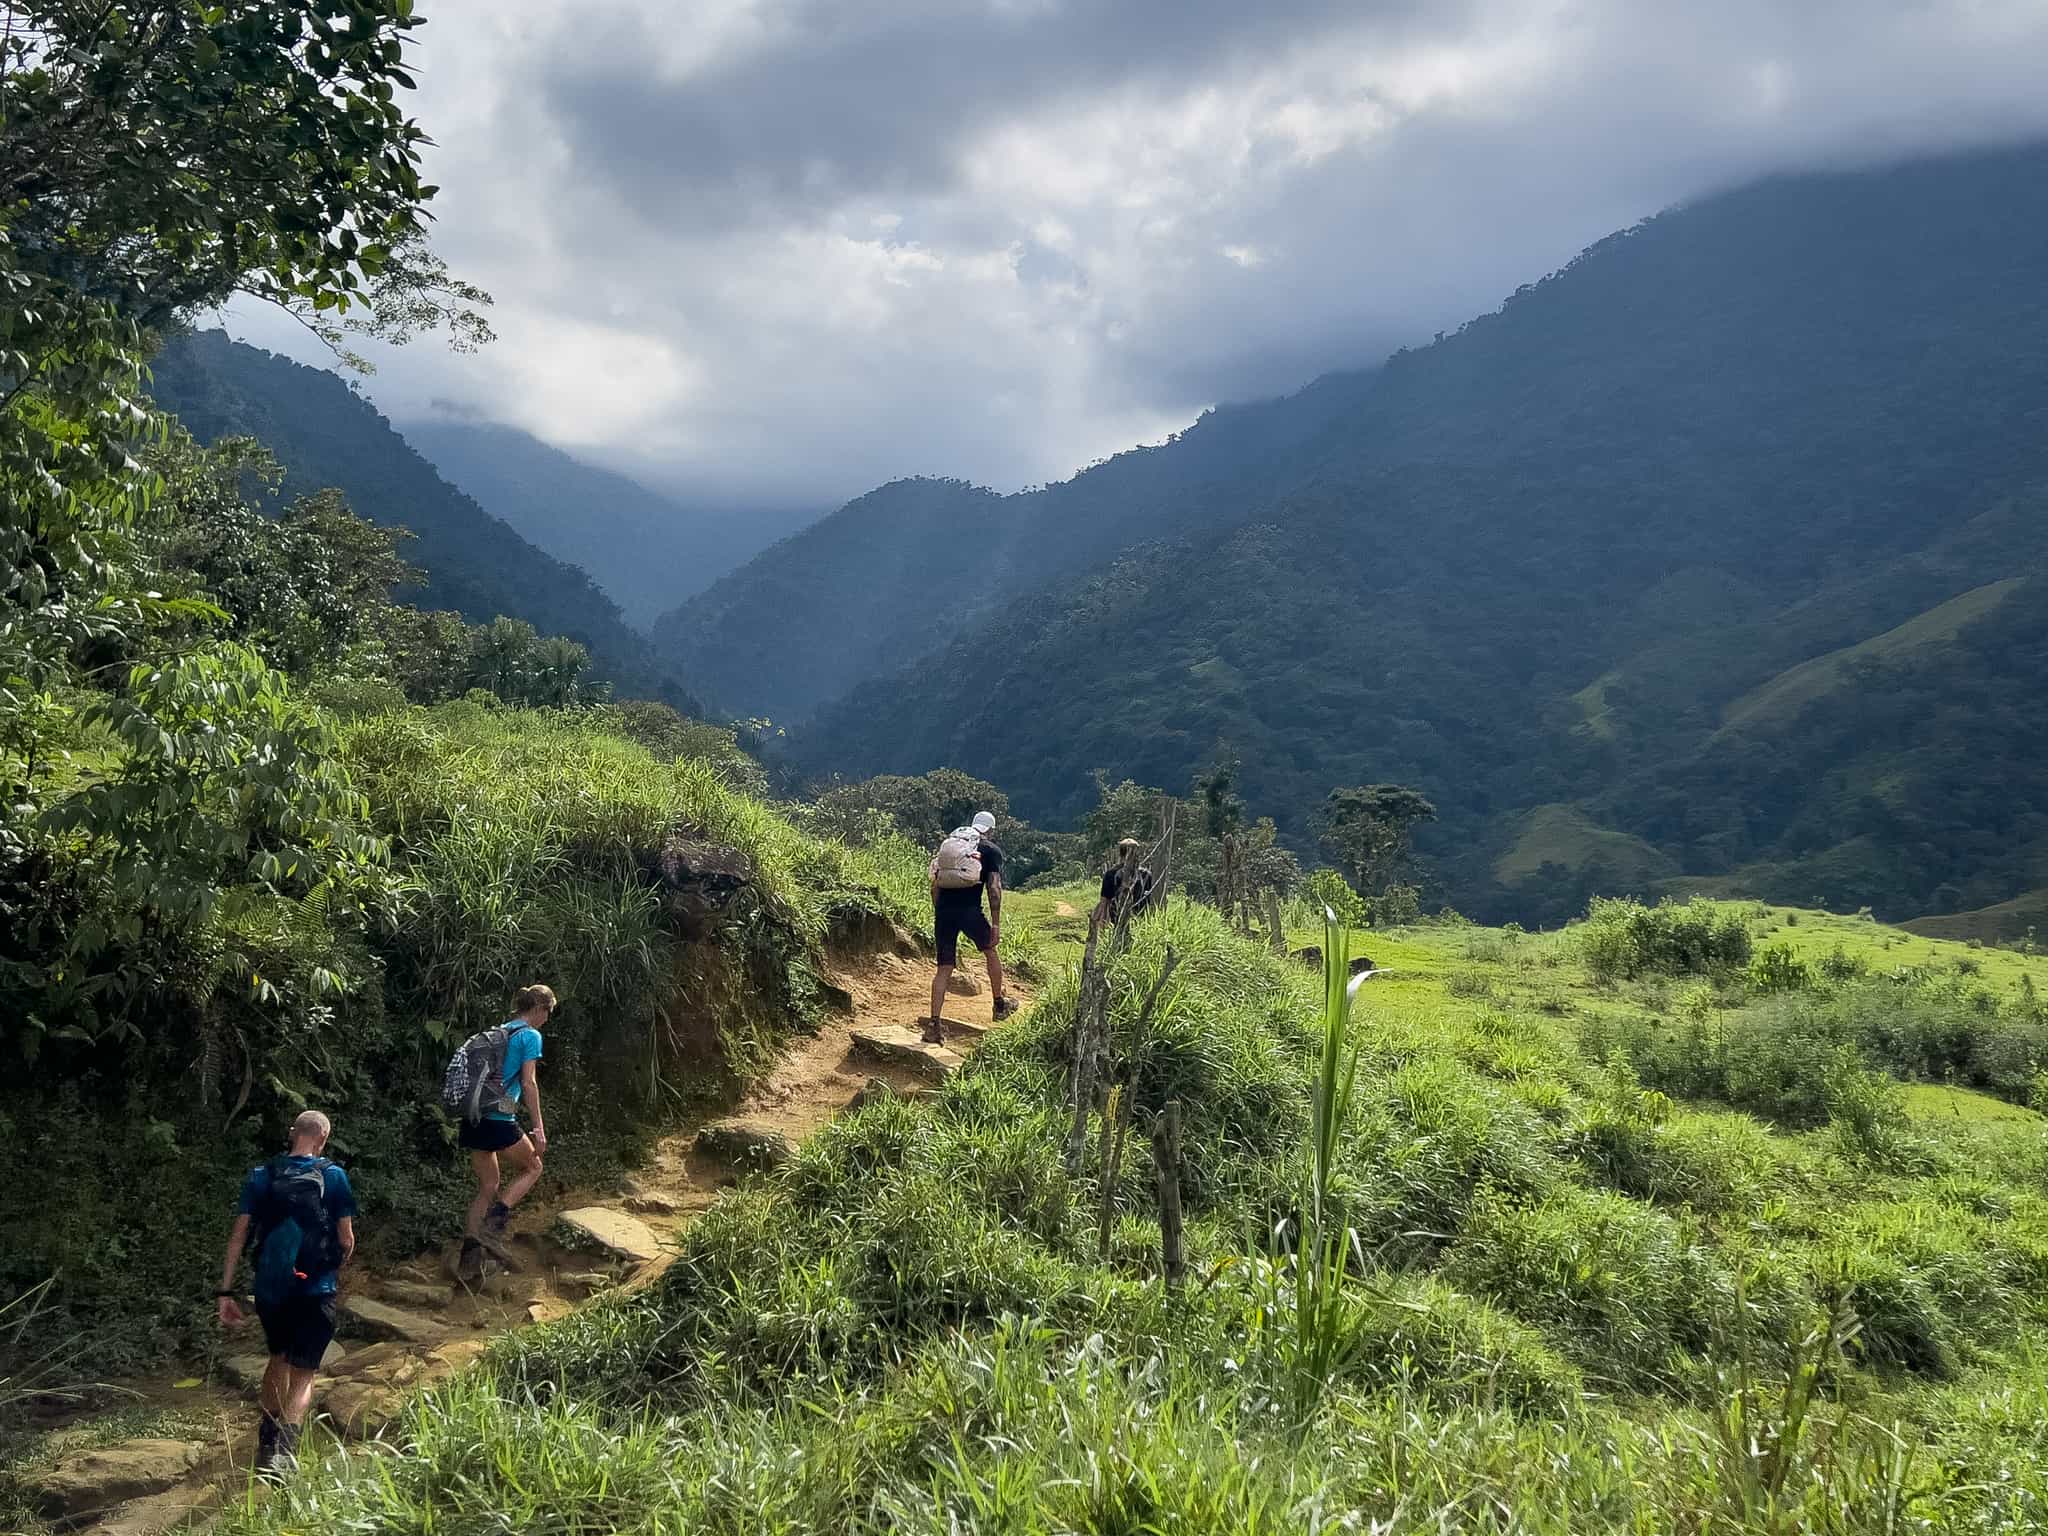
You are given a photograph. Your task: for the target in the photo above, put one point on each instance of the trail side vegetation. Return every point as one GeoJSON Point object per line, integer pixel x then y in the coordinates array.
{"type": "Point", "coordinates": [271, 836]}
{"type": "Point", "coordinates": [1513, 1242]}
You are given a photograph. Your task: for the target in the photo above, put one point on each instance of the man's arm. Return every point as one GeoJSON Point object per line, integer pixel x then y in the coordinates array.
{"type": "Point", "coordinates": [995, 903]}
{"type": "Point", "coordinates": [529, 1081]}
{"type": "Point", "coordinates": [238, 1239]}
{"type": "Point", "coordinates": [345, 1232]}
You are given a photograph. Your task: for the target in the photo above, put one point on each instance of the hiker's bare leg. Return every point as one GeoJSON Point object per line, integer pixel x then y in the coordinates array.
{"type": "Point", "coordinates": [485, 1166]}
{"type": "Point", "coordinates": [298, 1396]}
{"type": "Point", "coordinates": [940, 977]}
{"type": "Point", "coordinates": [277, 1376]}
{"type": "Point", "coordinates": [525, 1159]}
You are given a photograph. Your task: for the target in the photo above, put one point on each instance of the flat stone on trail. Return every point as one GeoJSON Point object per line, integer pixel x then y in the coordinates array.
{"type": "Point", "coordinates": [740, 1141]}
{"type": "Point", "coordinates": [380, 1321]}
{"type": "Point", "coordinates": [599, 1226]}
{"type": "Point", "coordinates": [960, 984]}
{"type": "Point", "coordinates": [587, 1281]}
{"type": "Point", "coordinates": [372, 1357]}
{"type": "Point", "coordinates": [903, 1047]}
{"type": "Point", "coordinates": [411, 1293]}
{"type": "Point", "coordinates": [652, 1202]}
{"type": "Point", "coordinates": [88, 1483]}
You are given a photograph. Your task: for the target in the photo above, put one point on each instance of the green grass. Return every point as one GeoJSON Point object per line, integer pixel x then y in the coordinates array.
{"type": "Point", "coordinates": [2006, 923]}
{"type": "Point", "coordinates": [1793, 689]}
{"type": "Point", "coordinates": [1575, 1301]}
{"type": "Point", "coordinates": [525, 845]}
{"type": "Point", "coordinates": [1563, 834]}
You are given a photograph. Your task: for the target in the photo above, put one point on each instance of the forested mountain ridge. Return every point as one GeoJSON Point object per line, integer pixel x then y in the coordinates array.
{"type": "Point", "coordinates": [648, 551]}
{"type": "Point", "coordinates": [896, 573]}
{"type": "Point", "coordinates": [327, 435]}
{"type": "Point", "coordinates": [1538, 563]}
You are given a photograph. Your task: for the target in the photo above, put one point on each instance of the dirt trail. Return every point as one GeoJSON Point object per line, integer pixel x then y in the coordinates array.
{"type": "Point", "coordinates": [413, 1322]}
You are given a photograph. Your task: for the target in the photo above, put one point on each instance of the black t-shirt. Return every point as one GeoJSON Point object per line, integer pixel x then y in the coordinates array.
{"type": "Point", "coordinates": [970, 895]}
{"type": "Point", "coordinates": [1141, 897]}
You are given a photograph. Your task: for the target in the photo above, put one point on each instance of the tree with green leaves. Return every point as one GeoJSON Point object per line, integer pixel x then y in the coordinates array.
{"type": "Point", "coordinates": [157, 157]}
{"type": "Point", "coordinates": [1370, 829]}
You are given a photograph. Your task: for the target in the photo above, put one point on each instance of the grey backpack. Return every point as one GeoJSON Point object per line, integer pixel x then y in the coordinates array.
{"type": "Point", "coordinates": [474, 1083]}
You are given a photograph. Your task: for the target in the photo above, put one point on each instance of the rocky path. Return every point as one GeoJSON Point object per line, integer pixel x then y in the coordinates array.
{"type": "Point", "coordinates": [410, 1324]}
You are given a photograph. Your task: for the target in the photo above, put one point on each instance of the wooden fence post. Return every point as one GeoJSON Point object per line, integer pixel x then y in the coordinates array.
{"type": "Point", "coordinates": [1166, 1164]}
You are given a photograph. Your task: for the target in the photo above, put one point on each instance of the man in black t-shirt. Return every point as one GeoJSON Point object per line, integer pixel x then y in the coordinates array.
{"type": "Point", "coordinates": [1143, 884]}
{"type": "Point", "coordinates": [957, 910]}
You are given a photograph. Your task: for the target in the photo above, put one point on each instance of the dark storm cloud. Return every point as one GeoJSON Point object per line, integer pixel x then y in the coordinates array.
{"type": "Point", "coordinates": [792, 249]}
{"type": "Point", "coordinates": [831, 101]}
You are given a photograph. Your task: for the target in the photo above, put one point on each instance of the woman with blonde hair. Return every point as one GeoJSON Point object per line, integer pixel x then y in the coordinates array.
{"type": "Point", "coordinates": [496, 1136]}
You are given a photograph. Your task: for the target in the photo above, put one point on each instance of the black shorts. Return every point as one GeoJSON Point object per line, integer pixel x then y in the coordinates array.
{"type": "Point", "coordinates": [489, 1135]}
{"type": "Point", "coordinates": [952, 921]}
{"type": "Point", "coordinates": [299, 1329]}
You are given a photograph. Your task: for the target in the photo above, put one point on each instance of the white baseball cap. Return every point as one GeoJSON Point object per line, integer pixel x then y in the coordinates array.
{"type": "Point", "coordinates": [983, 822]}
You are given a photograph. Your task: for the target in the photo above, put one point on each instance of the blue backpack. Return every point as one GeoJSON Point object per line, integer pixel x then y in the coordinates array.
{"type": "Point", "coordinates": [295, 1237]}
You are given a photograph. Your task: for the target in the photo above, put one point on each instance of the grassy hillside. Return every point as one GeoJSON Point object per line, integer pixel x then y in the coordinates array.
{"type": "Point", "coordinates": [1780, 700]}
{"type": "Point", "coordinates": [1625, 544]}
{"type": "Point", "coordinates": [2004, 923]}
{"type": "Point", "coordinates": [326, 435]}
{"type": "Point", "coordinates": [1601, 1221]}
{"type": "Point", "coordinates": [525, 845]}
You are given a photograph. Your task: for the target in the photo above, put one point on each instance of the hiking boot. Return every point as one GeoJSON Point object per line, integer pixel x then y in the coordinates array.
{"type": "Point", "coordinates": [934, 1032]}
{"type": "Point", "coordinates": [1005, 1006]}
{"type": "Point", "coordinates": [470, 1267]}
{"type": "Point", "coordinates": [497, 1218]}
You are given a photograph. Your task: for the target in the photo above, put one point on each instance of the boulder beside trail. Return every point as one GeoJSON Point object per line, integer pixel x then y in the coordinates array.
{"type": "Point", "coordinates": [875, 1090]}
{"type": "Point", "coordinates": [613, 1232]}
{"type": "Point", "coordinates": [88, 1483]}
{"type": "Point", "coordinates": [1310, 955]}
{"type": "Point", "coordinates": [752, 1146]}
{"type": "Point", "coordinates": [960, 984]}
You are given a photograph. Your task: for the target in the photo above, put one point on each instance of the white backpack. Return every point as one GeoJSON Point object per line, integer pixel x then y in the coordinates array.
{"type": "Point", "coordinates": [958, 863]}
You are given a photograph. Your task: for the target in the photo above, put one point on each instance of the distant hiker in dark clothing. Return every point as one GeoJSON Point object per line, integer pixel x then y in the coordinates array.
{"type": "Point", "coordinates": [967, 863]}
{"type": "Point", "coordinates": [303, 1215]}
{"type": "Point", "coordinates": [1143, 885]}
{"type": "Point", "coordinates": [504, 1060]}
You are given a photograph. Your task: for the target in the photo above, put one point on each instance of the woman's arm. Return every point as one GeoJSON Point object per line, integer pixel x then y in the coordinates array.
{"type": "Point", "coordinates": [529, 1081]}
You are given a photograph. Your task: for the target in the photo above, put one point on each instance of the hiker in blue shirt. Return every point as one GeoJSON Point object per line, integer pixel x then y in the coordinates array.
{"type": "Point", "coordinates": [303, 1215]}
{"type": "Point", "coordinates": [497, 1136]}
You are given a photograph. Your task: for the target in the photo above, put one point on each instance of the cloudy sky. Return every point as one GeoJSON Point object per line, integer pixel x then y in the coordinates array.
{"type": "Point", "coordinates": [779, 251]}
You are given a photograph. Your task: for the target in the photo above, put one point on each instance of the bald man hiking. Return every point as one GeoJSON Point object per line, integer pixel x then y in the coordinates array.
{"type": "Point", "coordinates": [298, 1220]}
{"type": "Point", "coordinates": [968, 862]}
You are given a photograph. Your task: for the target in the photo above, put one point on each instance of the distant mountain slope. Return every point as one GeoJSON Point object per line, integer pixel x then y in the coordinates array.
{"type": "Point", "coordinates": [649, 552]}
{"type": "Point", "coordinates": [327, 435]}
{"type": "Point", "coordinates": [897, 572]}
{"type": "Point", "coordinates": [1542, 563]}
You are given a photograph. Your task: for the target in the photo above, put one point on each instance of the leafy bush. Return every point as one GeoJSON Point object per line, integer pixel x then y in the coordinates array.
{"type": "Point", "coordinates": [1326, 888]}
{"type": "Point", "coordinates": [1779, 968]}
{"type": "Point", "coordinates": [1622, 938]}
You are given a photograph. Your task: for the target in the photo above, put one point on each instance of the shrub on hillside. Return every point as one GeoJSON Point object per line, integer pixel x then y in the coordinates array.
{"type": "Point", "coordinates": [1627, 1290]}
{"type": "Point", "coordinates": [1326, 888]}
{"type": "Point", "coordinates": [1622, 938]}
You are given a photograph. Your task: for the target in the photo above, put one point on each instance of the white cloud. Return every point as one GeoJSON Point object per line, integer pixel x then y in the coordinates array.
{"type": "Point", "coordinates": [796, 247]}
